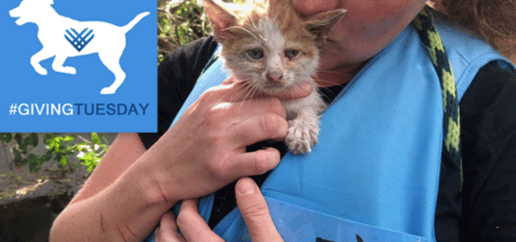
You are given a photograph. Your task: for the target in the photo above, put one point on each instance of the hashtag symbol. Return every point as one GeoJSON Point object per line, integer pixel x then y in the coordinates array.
{"type": "Point", "coordinates": [12, 109]}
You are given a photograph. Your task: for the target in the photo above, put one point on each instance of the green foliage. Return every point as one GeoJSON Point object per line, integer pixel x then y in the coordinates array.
{"type": "Point", "coordinates": [58, 148]}
{"type": "Point", "coordinates": [180, 23]}
{"type": "Point", "coordinates": [91, 152]}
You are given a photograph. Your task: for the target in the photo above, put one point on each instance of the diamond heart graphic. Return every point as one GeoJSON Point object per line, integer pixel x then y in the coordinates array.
{"type": "Point", "coordinates": [79, 40]}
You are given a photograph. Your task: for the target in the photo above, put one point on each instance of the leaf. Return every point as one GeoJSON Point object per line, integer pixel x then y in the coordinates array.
{"type": "Point", "coordinates": [63, 161]}
{"type": "Point", "coordinates": [6, 137]}
{"type": "Point", "coordinates": [23, 161]}
{"type": "Point", "coordinates": [22, 142]}
{"type": "Point", "coordinates": [47, 138]}
{"type": "Point", "coordinates": [95, 138]}
{"type": "Point", "coordinates": [34, 139]}
{"type": "Point", "coordinates": [46, 157]}
{"type": "Point", "coordinates": [18, 138]}
{"type": "Point", "coordinates": [34, 163]}
{"type": "Point", "coordinates": [32, 157]}
{"type": "Point", "coordinates": [34, 166]}
{"type": "Point", "coordinates": [69, 138]}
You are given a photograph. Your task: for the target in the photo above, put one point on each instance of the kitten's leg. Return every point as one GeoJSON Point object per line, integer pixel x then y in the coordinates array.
{"type": "Point", "coordinates": [303, 131]}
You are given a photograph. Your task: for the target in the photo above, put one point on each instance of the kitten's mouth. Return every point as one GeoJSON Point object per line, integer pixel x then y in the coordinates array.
{"type": "Point", "coordinates": [274, 85]}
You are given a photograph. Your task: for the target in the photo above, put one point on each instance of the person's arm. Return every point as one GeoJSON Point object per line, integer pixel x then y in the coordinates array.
{"type": "Point", "coordinates": [177, 75]}
{"type": "Point", "coordinates": [110, 207]}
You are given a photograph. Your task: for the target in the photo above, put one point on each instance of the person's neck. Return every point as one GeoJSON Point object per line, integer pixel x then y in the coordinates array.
{"type": "Point", "coordinates": [339, 76]}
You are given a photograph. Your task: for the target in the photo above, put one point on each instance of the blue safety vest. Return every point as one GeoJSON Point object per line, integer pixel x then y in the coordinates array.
{"type": "Point", "coordinates": [375, 172]}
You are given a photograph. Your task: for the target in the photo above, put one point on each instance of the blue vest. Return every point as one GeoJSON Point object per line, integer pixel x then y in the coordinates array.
{"type": "Point", "coordinates": [375, 172]}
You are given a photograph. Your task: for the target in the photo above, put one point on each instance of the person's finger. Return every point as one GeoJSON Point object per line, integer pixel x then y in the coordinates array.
{"type": "Point", "coordinates": [301, 90]}
{"type": "Point", "coordinates": [192, 225]}
{"type": "Point", "coordinates": [259, 128]}
{"type": "Point", "coordinates": [255, 107]}
{"type": "Point", "coordinates": [230, 80]}
{"type": "Point", "coordinates": [255, 212]}
{"type": "Point", "coordinates": [238, 91]}
{"type": "Point", "coordinates": [167, 230]}
{"type": "Point", "coordinates": [253, 163]}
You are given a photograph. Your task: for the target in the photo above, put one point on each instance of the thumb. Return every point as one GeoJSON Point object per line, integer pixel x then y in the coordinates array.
{"type": "Point", "coordinates": [255, 212]}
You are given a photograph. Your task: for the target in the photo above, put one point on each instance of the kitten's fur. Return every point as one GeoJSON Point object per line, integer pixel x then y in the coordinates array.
{"type": "Point", "coordinates": [266, 44]}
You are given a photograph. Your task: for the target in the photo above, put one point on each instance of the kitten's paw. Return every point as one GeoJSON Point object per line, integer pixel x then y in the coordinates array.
{"type": "Point", "coordinates": [302, 135]}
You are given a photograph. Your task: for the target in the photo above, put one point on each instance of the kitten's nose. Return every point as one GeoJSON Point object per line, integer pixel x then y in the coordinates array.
{"type": "Point", "coordinates": [274, 76]}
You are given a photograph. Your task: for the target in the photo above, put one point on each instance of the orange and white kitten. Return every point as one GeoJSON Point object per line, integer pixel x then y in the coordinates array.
{"type": "Point", "coordinates": [266, 44]}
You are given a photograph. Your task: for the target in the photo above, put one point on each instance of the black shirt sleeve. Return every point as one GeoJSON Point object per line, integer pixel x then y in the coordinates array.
{"type": "Point", "coordinates": [486, 208]}
{"type": "Point", "coordinates": [489, 157]}
{"type": "Point", "coordinates": [177, 76]}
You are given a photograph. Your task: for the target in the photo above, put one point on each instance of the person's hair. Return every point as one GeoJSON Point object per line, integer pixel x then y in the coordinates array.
{"type": "Point", "coordinates": [494, 20]}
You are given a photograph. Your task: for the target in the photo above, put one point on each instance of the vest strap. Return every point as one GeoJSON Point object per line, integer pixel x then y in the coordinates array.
{"type": "Point", "coordinates": [451, 123]}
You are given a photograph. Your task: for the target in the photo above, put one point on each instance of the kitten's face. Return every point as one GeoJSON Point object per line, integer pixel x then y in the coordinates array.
{"type": "Point", "coordinates": [269, 46]}
{"type": "Point", "coordinates": [268, 60]}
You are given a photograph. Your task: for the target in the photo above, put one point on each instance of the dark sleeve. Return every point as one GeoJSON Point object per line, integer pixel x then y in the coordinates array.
{"type": "Point", "coordinates": [177, 76]}
{"type": "Point", "coordinates": [488, 119]}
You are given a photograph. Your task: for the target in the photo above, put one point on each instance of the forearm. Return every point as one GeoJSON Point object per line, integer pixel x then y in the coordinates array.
{"type": "Point", "coordinates": [127, 210]}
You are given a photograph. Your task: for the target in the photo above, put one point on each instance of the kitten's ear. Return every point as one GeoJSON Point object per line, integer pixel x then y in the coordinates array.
{"type": "Point", "coordinates": [220, 18]}
{"type": "Point", "coordinates": [321, 24]}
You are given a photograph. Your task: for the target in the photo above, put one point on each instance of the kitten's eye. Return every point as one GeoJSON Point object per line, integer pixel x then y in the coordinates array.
{"type": "Point", "coordinates": [291, 53]}
{"type": "Point", "coordinates": [255, 54]}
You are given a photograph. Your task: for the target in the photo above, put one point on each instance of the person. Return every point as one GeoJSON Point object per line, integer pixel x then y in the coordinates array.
{"type": "Point", "coordinates": [142, 176]}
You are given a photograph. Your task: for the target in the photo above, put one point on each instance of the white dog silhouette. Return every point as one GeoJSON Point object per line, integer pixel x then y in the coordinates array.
{"type": "Point", "coordinates": [61, 37]}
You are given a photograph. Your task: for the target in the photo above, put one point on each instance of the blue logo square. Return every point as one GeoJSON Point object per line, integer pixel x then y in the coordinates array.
{"type": "Point", "coordinates": [75, 66]}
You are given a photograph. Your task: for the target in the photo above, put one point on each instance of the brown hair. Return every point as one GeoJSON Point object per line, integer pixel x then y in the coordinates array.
{"type": "Point", "coordinates": [494, 20]}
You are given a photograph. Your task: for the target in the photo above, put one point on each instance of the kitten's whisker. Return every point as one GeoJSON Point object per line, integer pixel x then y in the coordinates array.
{"type": "Point", "coordinates": [240, 94]}
{"type": "Point", "coordinates": [256, 27]}
{"type": "Point", "coordinates": [251, 91]}
{"type": "Point", "coordinates": [244, 101]}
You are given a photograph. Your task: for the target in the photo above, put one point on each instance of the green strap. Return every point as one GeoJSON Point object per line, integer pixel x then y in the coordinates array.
{"type": "Point", "coordinates": [451, 123]}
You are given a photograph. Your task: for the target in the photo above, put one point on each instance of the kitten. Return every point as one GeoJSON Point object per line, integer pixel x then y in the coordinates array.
{"type": "Point", "coordinates": [268, 45]}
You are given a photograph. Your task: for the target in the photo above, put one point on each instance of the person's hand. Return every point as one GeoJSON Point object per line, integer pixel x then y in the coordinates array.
{"type": "Point", "coordinates": [251, 204]}
{"type": "Point", "coordinates": [206, 149]}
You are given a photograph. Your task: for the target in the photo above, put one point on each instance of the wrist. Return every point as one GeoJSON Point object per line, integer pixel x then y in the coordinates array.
{"type": "Point", "coordinates": [155, 189]}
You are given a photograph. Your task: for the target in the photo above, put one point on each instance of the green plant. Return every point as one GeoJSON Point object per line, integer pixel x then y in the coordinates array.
{"type": "Point", "coordinates": [180, 23]}
{"type": "Point", "coordinates": [59, 149]}
{"type": "Point", "coordinates": [22, 150]}
{"type": "Point", "coordinates": [91, 152]}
